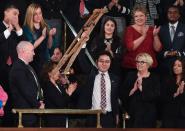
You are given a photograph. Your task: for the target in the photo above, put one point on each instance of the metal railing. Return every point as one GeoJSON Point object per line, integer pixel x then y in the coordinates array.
{"type": "Point", "coordinates": [57, 111]}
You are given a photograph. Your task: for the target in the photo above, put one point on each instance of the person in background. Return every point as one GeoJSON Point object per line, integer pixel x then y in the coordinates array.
{"type": "Point", "coordinates": [108, 40]}
{"type": "Point", "coordinates": [139, 38]}
{"type": "Point", "coordinates": [57, 55]}
{"type": "Point", "coordinates": [51, 13]}
{"type": "Point", "coordinates": [141, 90]}
{"type": "Point", "coordinates": [38, 33]}
{"type": "Point", "coordinates": [10, 34]}
{"type": "Point", "coordinates": [117, 9]}
{"type": "Point", "coordinates": [173, 96]}
{"type": "Point", "coordinates": [172, 37]}
{"type": "Point", "coordinates": [56, 96]}
{"type": "Point", "coordinates": [152, 12]}
{"type": "Point", "coordinates": [24, 85]}
{"type": "Point", "coordinates": [3, 100]}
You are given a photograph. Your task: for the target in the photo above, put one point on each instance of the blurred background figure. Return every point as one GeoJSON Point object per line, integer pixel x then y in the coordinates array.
{"type": "Point", "coordinates": [3, 100]}
{"type": "Point", "coordinates": [173, 96]}
{"type": "Point", "coordinates": [152, 13]}
{"type": "Point", "coordinates": [57, 55]}
{"type": "Point", "coordinates": [141, 90]}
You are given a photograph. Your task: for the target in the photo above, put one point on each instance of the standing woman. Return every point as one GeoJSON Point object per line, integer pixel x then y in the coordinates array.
{"type": "Point", "coordinates": [173, 97]}
{"type": "Point", "coordinates": [55, 95]}
{"type": "Point", "coordinates": [141, 90]}
{"type": "Point", "coordinates": [38, 33]}
{"type": "Point", "coordinates": [108, 40]}
{"type": "Point", "coordinates": [140, 37]}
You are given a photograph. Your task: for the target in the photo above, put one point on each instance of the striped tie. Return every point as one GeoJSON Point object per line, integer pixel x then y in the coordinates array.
{"type": "Point", "coordinates": [172, 32]}
{"type": "Point", "coordinates": [103, 92]}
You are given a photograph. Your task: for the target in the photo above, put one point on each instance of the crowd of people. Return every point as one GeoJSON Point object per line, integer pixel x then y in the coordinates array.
{"type": "Point", "coordinates": [137, 66]}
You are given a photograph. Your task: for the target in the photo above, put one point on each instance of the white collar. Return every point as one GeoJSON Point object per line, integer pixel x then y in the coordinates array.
{"type": "Point", "coordinates": [175, 25]}
{"type": "Point", "coordinates": [106, 73]}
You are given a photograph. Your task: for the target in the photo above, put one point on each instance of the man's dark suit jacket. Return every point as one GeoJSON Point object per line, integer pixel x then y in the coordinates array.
{"type": "Point", "coordinates": [8, 46]}
{"type": "Point", "coordinates": [23, 89]}
{"type": "Point", "coordinates": [178, 44]}
{"type": "Point", "coordinates": [85, 100]}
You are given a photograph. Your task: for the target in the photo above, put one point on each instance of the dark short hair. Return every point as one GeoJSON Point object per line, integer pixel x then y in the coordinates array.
{"type": "Point", "coordinates": [104, 53]}
{"type": "Point", "coordinates": [173, 6]}
{"type": "Point", "coordinates": [10, 5]}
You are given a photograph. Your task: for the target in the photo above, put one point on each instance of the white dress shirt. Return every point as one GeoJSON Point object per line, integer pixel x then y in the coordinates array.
{"type": "Point", "coordinates": [7, 33]}
{"type": "Point", "coordinates": [96, 98]}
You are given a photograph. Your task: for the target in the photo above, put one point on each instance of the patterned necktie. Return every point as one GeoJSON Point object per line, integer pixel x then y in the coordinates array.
{"type": "Point", "coordinates": [172, 32]}
{"type": "Point", "coordinates": [103, 92]}
{"type": "Point", "coordinates": [39, 92]}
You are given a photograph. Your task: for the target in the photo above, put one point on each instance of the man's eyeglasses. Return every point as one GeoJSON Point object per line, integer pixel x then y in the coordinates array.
{"type": "Point", "coordinates": [140, 62]}
{"type": "Point", "coordinates": [104, 61]}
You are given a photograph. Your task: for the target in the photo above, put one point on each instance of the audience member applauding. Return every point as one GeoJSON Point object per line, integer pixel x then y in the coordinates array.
{"type": "Point", "coordinates": [173, 96]}
{"type": "Point", "coordinates": [141, 90]}
{"type": "Point", "coordinates": [108, 40]}
{"type": "Point", "coordinates": [38, 33]}
{"type": "Point", "coordinates": [172, 36]}
{"type": "Point", "coordinates": [10, 35]}
{"type": "Point", "coordinates": [139, 38]}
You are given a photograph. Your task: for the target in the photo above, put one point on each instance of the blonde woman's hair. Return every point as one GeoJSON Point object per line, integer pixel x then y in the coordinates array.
{"type": "Point", "coordinates": [28, 21]}
{"type": "Point", "coordinates": [139, 7]}
{"type": "Point", "coordinates": [145, 57]}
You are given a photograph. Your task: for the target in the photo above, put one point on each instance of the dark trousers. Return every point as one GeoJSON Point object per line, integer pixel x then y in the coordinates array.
{"type": "Point", "coordinates": [107, 120]}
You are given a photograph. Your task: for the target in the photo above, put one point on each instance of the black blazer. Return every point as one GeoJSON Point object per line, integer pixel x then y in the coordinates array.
{"type": "Point", "coordinates": [53, 98]}
{"type": "Point", "coordinates": [8, 46]}
{"type": "Point", "coordinates": [23, 86]}
{"type": "Point", "coordinates": [141, 106]}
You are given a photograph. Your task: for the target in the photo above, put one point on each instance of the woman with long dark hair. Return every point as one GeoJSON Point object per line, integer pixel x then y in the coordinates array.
{"type": "Point", "coordinates": [108, 40]}
{"type": "Point", "coordinates": [173, 96]}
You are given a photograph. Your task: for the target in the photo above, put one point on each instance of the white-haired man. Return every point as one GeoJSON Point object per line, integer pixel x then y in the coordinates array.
{"type": "Point", "coordinates": [24, 85]}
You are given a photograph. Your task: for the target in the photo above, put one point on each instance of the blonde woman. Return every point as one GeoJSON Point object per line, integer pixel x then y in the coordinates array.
{"type": "Point", "coordinates": [141, 89]}
{"type": "Point", "coordinates": [38, 33]}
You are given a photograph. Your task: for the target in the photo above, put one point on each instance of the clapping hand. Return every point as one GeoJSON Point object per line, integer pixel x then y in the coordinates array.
{"type": "Point", "coordinates": [180, 89]}
{"type": "Point", "coordinates": [156, 30]}
{"type": "Point", "coordinates": [52, 32]}
{"type": "Point", "coordinates": [71, 88]}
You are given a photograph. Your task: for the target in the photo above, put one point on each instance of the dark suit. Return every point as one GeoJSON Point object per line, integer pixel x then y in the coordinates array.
{"type": "Point", "coordinates": [23, 90]}
{"type": "Point", "coordinates": [178, 44]}
{"type": "Point", "coordinates": [7, 48]}
{"type": "Point", "coordinates": [85, 100]}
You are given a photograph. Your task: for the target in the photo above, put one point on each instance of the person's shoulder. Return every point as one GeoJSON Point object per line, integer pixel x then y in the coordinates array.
{"type": "Point", "coordinates": [18, 64]}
